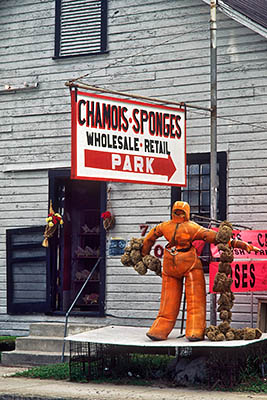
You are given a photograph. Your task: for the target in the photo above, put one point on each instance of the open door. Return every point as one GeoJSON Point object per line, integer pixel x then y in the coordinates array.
{"type": "Point", "coordinates": [79, 244]}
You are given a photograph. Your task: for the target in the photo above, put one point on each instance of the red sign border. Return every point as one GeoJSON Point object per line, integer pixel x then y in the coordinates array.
{"type": "Point", "coordinates": [74, 175]}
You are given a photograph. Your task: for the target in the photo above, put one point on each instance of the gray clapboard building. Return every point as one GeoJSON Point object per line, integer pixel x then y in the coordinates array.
{"type": "Point", "coordinates": [157, 48]}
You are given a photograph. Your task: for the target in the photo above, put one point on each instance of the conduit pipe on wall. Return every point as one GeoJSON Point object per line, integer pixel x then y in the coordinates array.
{"type": "Point", "coordinates": [213, 132]}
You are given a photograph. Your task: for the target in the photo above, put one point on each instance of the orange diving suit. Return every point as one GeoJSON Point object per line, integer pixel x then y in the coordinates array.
{"type": "Point", "coordinates": [180, 260]}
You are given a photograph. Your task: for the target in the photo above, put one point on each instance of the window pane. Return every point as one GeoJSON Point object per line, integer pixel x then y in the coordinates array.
{"type": "Point", "coordinates": [194, 198]}
{"type": "Point", "coordinates": [194, 169]}
{"type": "Point", "coordinates": [205, 169]}
{"type": "Point", "coordinates": [193, 183]}
{"type": "Point", "coordinates": [184, 195]}
{"type": "Point", "coordinates": [205, 182]}
{"type": "Point", "coordinates": [205, 198]}
{"type": "Point", "coordinates": [194, 210]}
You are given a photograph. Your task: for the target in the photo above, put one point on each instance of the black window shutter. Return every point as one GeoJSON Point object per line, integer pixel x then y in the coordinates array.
{"type": "Point", "coordinates": [27, 278]}
{"type": "Point", "coordinates": [81, 27]}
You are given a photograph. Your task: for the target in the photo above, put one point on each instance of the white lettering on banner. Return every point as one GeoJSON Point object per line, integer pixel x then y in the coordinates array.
{"type": "Point", "coordinates": [135, 163]}
{"type": "Point", "coordinates": [149, 162]}
{"type": "Point", "coordinates": [116, 160]}
{"type": "Point", "coordinates": [138, 164]}
{"type": "Point", "coordinates": [127, 164]}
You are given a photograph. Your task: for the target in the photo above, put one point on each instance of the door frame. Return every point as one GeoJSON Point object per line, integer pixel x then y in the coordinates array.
{"type": "Point", "coordinates": [54, 177]}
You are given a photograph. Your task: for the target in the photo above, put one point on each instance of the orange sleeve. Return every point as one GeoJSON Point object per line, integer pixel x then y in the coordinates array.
{"type": "Point", "coordinates": [205, 234]}
{"type": "Point", "coordinates": [243, 245]}
{"type": "Point", "coordinates": [150, 239]}
{"type": "Point", "coordinates": [238, 244]}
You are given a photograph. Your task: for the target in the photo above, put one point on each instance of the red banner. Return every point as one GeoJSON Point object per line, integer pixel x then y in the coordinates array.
{"type": "Point", "coordinates": [257, 238]}
{"type": "Point", "coordinates": [247, 276]}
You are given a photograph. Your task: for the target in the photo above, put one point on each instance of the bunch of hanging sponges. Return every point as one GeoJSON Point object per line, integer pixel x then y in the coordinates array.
{"type": "Point", "coordinates": [222, 284]}
{"type": "Point", "coordinates": [133, 257]}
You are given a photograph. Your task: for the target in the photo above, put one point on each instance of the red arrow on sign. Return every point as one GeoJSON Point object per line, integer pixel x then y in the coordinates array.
{"type": "Point", "coordinates": [129, 163]}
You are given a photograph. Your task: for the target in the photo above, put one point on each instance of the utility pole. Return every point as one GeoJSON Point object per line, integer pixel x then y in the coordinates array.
{"type": "Point", "coordinates": [213, 132]}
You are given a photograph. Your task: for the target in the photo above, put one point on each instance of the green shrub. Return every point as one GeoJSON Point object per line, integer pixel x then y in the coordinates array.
{"type": "Point", "coordinates": [7, 343]}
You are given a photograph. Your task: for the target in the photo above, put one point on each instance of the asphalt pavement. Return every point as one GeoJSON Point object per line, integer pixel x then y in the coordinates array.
{"type": "Point", "coordinates": [18, 388]}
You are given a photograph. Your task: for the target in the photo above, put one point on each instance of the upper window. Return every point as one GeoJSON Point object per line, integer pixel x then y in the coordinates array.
{"type": "Point", "coordinates": [81, 27]}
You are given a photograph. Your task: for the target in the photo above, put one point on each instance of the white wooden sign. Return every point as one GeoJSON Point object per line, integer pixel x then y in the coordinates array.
{"type": "Point", "coordinates": [127, 141]}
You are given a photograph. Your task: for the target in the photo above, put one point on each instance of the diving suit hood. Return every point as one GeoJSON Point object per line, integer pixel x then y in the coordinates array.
{"type": "Point", "coordinates": [182, 206]}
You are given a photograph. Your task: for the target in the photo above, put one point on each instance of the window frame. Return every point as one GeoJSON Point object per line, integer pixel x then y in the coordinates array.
{"type": "Point", "coordinates": [176, 192]}
{"type": "Point", "coordinates": [26, 307]}
{"type": "Point", "coordinates": [103, 47]}
{"type": "Point", "coordinates": [201, 158]}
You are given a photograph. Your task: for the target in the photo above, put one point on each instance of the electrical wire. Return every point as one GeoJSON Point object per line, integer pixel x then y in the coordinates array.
{"type": "Point", "coordinates": [236, 121]}
{"type": "Point", "coordinates": [121, 60]}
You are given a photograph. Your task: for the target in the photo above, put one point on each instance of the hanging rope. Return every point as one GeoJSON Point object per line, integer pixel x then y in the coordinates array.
{"type": "Point", "coordinates": [108, 216]}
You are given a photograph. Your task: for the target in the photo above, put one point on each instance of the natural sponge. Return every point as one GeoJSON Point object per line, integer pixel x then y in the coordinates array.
{"type": "Point", "coordinates": [224, 233]}
{"type": "Point", "coordinates": [133, 257]}
{"type": "Point", "coordinates": [152, 263]}
{"type": "Point", "coordinates": [140, 268]}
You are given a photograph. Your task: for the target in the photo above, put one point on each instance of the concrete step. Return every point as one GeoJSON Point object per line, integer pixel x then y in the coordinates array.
{"type": "Point", "coordinates": [44, 345]}
{"type": "Point", "coordinates": [40, 343]}
{"type": "Point", "coordinates": [31, 358]}
{"type": "Point", "coordinates": [55, 329]}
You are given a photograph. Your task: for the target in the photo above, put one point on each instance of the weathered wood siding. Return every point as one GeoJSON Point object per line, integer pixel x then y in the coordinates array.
{"type": "Point", "coordinates": [157, 48]}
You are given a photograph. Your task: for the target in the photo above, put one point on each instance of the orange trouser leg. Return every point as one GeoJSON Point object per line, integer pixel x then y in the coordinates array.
{"type": "Point", "coordinates": [171, 294]}
{"type": "Point", "coordinates": [195, 292]}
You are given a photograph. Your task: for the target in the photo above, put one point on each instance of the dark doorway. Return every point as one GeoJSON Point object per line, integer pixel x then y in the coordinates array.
{"type": "Point", "coordinates": [79, 244]}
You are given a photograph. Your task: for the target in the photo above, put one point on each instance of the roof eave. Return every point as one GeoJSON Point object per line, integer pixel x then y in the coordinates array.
{"type": "Point", "coordinates": [238, 17]}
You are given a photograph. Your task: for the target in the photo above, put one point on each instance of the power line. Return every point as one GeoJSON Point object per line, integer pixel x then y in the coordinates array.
{"type": "Point", "coordinates": [251, 124]}
{"type": "Point", "coordinates": [236, 121]}
{"type": "Point", "coordinates": [138, 54]}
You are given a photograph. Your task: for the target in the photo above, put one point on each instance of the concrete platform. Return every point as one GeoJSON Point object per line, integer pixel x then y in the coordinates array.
{"type": "Point", "coordinates": [135, 336]}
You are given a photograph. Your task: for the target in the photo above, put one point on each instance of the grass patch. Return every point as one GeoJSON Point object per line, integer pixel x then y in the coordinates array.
{"type": "Point", "coordinates": [254, 376]}
{"type": "Point", "coordinates": [11, 338]}
{"type": "Point", "coordinates": [254, 384]}
{"type": "Point", "coordinates": [144, 370]}
{"type": "Point", "coordinates": [61, 372]}
{"type": "Point", "coordinates": [53, 371]}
